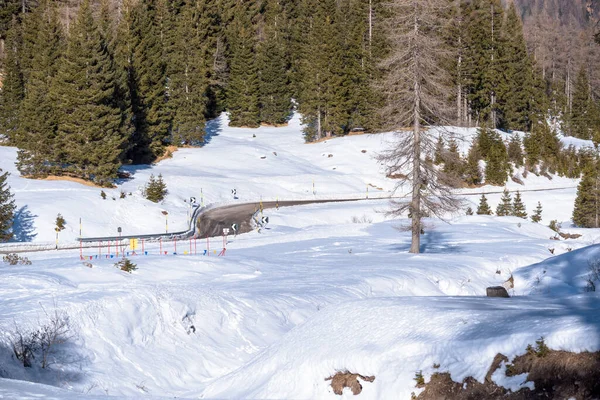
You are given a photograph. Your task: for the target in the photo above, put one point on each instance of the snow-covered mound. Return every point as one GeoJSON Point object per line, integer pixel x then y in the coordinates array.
{"type": "Point", "coordinates": [562, 275]}
{"type": "Point", "coordinates": [393, 338]}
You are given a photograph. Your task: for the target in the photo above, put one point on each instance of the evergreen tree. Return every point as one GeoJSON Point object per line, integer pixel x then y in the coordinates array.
{"type": "Point", "coordinates": [39, 151]}
{"type": "Point", "coordinates": [582, 112]}
{"type": "Point", "coordinates": [188, 81]}
{"type": "Point", "coordinates": [496, 169]}
{"type": "Point", "coordinates": [537, 215]}
{"type": "Point", "coordinates": [472, 173]}
{"type": "Point", "coordinates": [8, 11]}
{"type": "Point", "coordinates": [515, 152]}
{"type": "Point", "coordinates": [483, 208]}
{"type": "Point", "coordinates": [243, 85]}
{"type": "Point", "coordinates": [156, 189]}
{"type": "Point", "coordinates": [587, 203]}
{"type": "Point", "coordinates": [87, 88]}
{"type": "Point", "coordinates": [60, 223]}
{"type": "Point", "coordinates": [515, 90]}
{"type": "Point", "coordinates": [484, 45]}
{"type": "Point", "coordinates": [518, 208]}
{"type": "Point", "coordinates": [7, 208]}
{"type": "Point", "coordinates": [505, 207]}
{"type": "Point", "coordinates": [438, 155]}
{"type": "Point", "coordinates": [149, 98]}
{"type": "Point", "coordinates": [13, 85]}
{"type": "Point", "coordinates": [541, 144]}
{"type": "Point", "coordinates": [274, 86]}
{"type": "Point", "coordinates": [453, 164]}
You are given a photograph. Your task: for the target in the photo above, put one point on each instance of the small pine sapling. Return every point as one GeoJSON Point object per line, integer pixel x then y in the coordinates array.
{"type": "Point", "coordinates": [419, 379]}
{"type": "Point", "coordinates": [484, 207]}
{"type": "Point", "coordinates": [537, 214]}
{"type": "Point", "coordinates": [123, 195]}
{"type": "Point", "coordinates": [518, 208]}
{"type": "Point", "coordinates": [103, 195]}
{"type": "Point", "coordinates": [126, 265]}
{"type": "Point", "coordinates": [505, 207]}
{"type": "Point", "coordinates": [469, 211]}
{"type": "Point", "coordinates": [60, 223]}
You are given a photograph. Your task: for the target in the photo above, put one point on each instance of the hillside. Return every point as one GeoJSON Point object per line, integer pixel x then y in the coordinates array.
{"type": "Point", "coordinates": [323, 288]}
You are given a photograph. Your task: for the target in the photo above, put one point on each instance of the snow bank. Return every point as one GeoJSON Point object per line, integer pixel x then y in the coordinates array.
{"type": "Point", "coordinates": [394, 338]}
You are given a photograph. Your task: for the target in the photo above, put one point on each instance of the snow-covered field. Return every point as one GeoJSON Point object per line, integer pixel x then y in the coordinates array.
{"type": "Point", "coordinates": [328, 287]}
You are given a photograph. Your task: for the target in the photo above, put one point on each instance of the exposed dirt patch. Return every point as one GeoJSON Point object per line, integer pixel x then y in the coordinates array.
{"type": "Point", "coordinates": [168, 154]}
{"type": "Point", "coordinates": [67, 178]}
{"type": "Point", "coordinates": [556, 375]}
{"type": "Point", "coordinates": [347, 379]}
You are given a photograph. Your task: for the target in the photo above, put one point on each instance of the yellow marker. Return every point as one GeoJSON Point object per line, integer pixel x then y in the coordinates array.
{"type": "Point", "coordinates": [133, 243]}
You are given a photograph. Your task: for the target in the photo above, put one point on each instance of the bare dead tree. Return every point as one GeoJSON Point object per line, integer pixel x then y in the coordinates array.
{"type": "Point", "coordinates": [416, 89]}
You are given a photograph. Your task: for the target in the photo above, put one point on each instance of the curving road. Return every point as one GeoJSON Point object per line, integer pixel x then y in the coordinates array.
{"type": "Point", "coordinates": [209, 222]}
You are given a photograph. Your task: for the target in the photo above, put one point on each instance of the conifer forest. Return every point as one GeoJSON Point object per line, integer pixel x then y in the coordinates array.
{"type": "Point", "coordinates": [91, 85]}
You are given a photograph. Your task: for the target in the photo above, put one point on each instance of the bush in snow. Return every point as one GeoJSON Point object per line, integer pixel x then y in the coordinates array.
{"type": "Point", "coordinates": [42, 344]}
{"type": "Point", "coordinates": [593, 275]}
{"type": "Point", "coordinates": [540, 349]}
{"type": "Point", "coordinates": [15, 259]}
{"type": "Point", "coordinates": [554, 225]}
{"type": "Point", "coordinates": [126, 265]}
{"type": "Point", "coordinates": [103, 195]}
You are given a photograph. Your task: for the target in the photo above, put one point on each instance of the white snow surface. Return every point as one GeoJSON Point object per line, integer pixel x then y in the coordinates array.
{"type": "Point", "coordinates": [313, 294]}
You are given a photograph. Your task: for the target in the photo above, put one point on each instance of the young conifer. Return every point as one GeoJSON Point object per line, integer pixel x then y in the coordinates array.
{"type": "Point", "coordinates": [505, 207]}
{"type": "Point", "coordinates": [484, 207]}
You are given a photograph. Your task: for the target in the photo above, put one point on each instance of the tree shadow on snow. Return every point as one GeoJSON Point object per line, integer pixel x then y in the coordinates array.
{"type": "Point", "coordinates": [213, 128]}
{"type": "Point", "coordinates": [23, 229]}
{"type": "Point", "coordinates": [433, 242]}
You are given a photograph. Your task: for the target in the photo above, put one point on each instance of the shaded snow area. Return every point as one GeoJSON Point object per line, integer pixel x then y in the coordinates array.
{"type": "Point", "coordinates": [323, 288]}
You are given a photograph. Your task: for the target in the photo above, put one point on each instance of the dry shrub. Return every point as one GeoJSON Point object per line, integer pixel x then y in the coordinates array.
{"type": "Point", "coordinates": [15, 259]}
{"type": "Point", "coordinates": [347, 379]}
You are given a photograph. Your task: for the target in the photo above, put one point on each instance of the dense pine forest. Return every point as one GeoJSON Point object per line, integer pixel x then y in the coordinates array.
{"type": "Point", "coordinates": [89, 85]}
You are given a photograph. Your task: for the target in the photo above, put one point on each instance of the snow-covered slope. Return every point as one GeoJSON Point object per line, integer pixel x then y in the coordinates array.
{"type": "Point", "coordinates": [266, 163]}
{"type": "Point", "coordinates": [326, 287]}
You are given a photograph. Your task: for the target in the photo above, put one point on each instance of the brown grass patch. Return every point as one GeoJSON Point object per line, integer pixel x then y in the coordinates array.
{"type": "Point", "coordinates": [347, 379]}
{"type": "Point", "coordinates": [67, 178]}
{"type": "Point", "coordinates": [396, 176]}
{"type": "Point", "coordinates": [557, 375]}
{"type": "Point", "coordinates": [167, 154]}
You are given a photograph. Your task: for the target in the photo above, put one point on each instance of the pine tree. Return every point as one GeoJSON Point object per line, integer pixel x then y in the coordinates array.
{"type": "Point", "coordinates": [243, 86]}
{"type": "Point", "coordinates": [156, 189]}
{"type": "Point", "coordinates": [8, 11]}
{"type": "Point", "coordinates": [272, 62]}
{"type": "Point", "coordinates": [582, 110]}
{"type": "Point", "coordinates": [516, 88]}
{"type": "Point", "coordinates": [484, 44]}
{"type": "Point", "coordinates": [537, 215]}
{"type": "Point", "coordinates": [483, 208]}
{"type": "Point", "coordinates": [87, 88]}
{"type": "Point", "coordinates": [472, 175]}
{"type": "Point", "coordinates": [60, 223]}
{"type": "Point", "coordinates": [13, 84]}
{"type": "Point", "coordinates": [505, 207]}
{"type": "Point", "coordinates": [7, 208]}
{"type": "Point", "coordinates": [515, 152]}
{"type": "Point", "coordinates": [496, 169]}
{"type": "Point", "coordinates": [438, 155]}
{"type": "Point", "coordinates": [149, 99]}
{"type": "Point", "coordinates": [188, 81]}
{"type": "Point", "coordinates": [518, 208]}
{"type": "Point", "coordinates": [587, 203]}
{"type": "Point", "coordinates": [39, 151]}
